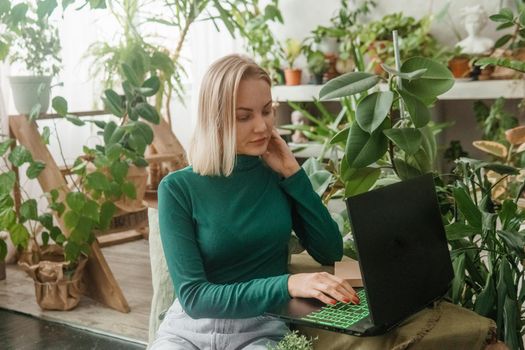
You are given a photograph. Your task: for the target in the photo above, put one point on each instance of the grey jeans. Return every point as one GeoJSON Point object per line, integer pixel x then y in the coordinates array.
{"type": "Point", "coordinates": [178, 331]}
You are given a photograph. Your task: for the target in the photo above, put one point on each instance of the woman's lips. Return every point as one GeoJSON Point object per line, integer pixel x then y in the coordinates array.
{"type": "Point", "coordinates": [259, 140]}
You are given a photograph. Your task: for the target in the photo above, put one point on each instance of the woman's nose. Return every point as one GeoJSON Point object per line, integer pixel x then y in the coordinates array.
{"type": "Point", "coordinates": [260, 124]}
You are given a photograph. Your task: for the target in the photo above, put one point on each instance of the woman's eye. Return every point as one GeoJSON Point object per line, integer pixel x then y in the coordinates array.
{"type": "Point", "coordinates": [267, 112]}
{"type": "Point", "coordinates": [243, 117]}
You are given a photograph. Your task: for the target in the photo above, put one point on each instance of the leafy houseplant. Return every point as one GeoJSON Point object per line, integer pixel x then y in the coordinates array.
{"type": "Point", "coordinates": [32, 40]}
{"type": "Point", "coordinates": [317, 64]}
{"type": "Point", "coordinates": [487, 247]}
{"type": "Point", "coordinates": [293, 341]}
{"type": "Point", "coordinates": [291, 52]}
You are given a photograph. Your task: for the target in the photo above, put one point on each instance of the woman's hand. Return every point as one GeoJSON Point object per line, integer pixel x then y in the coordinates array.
{"type": "Point", "coordinates": [323, 286]}
{"type": "Point", "coordinates": [279, 157]}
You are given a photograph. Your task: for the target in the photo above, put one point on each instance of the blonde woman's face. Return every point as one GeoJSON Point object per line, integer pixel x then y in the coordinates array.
{"type": "Point", "coordinates": [254, 116]}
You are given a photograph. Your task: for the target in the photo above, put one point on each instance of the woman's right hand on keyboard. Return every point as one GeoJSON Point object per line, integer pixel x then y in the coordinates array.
{"type": "Point", "coordinates": [323, 286]}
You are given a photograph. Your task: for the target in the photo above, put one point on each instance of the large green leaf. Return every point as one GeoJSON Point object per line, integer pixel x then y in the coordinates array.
{"type": "Point", "coordinates": [152, 84]}
{"type": "Point", "coordinates": [7, 182]}
{"type": "Point", "coordinates": [486, 300]}
{"type": "Point", "coordinates": [28, 210]}
{"type": "Point", "coordinates": [113, 103]}
{"type": "Point", "coordinates": [467, 207]}
{"type": "Point", "coordinates": [360, 180]}
{"type": "Point", "coordinates": [91, 210]}
{"type": "Point", "coordinates": [514, 242]}
{"type": "Point", "coordinates": [20, 155]}
{"type": "Point", "coordinates": [76, 201]}
{"type": "Point", "coordinates": [60, 105]}
{"type": "Point", "coordinates": [418, 111]}
{"type": "Point", "coordinates": [511, 317]}
{"type": "Point", "coordinates": [363, 149]}
{"type": "Point", "coordinates": [34, 169]}
{"type": "Point", "coordinates": [348, 84]}
{"type": "Point", "coordinates": [19, 235]}
{"type": "Point", "coordinates": [109, 129]}
{"type": "Point", "coordinates": [458, 283]}
{"type": "Point", "coordinates": [405, 170]}
{"type": "Point", "coordinates": [408, 139]}
{"type": "Point", "coordinates": [145, 131]}
{"type": "Point", "coordinates": [107, 210]}
{"type": "Point", "coordinates": [435, 81]}
{"type": "Point", "coordinates": [119, 170]}
{"type": "Point", "coordinates": [373, 109]}
{"type": "Point", "coordinates": [458, 230]}
{"type": "Point", "coordinates": [128, 188]}
{"type": "Point", "coordinates": [341, 136]}
{"type": "Point", "coordinates": [148, 112]}
{"type": "Point", "coordinates": [97, 181]}
{"type": "Point", "coordinates": [429, 142]}
{"type": "Point", "coordinates": [7, 218]}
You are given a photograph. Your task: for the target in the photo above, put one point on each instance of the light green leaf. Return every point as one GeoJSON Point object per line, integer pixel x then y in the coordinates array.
{"type": "Point", "coordinates": [373, 109]}
{"type": "Point", "coordinates": [109, 129]}
{"type": "Point", "coordinates": [7, 182]}
{"type": "Point", "coordinates": [91, 210]}
{"type": "Point", "coordinates": [408, 139]}
{"type": "Point", "coordinates": [76, 201]}
{"type": "Point", "coordinates": [20, 155]}
{"type": "Point", "coordinates": [348, 84]}
{"type": "Point", "coordinates": [405, 170]}
{"type": "Point", "coordinates": [119, 170]}
{"type": "Point", "coordinates": [74, 119]}
{"type": "Point", "coordinates": [458, 230]}
{"type": "Point", "coordinates": [28, 210]}
{"type": "Point", "coordinates": [19, 235]}
{"type": "Point", "coordinates": [107, 210]}
{"type": "Point", "coordinates": [130, 75]}
{"type": "Point", "coordinates": [128, 188]}
{"type": "Point", "coordinates": [153, 84]}
{"type": "Point", "coordinates": [341, 136]}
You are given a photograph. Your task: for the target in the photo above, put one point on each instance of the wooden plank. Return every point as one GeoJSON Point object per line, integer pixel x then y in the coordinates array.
{"type": "Point", "coordinates": [119, 237]}
{"type": "Point", "coordinates": [99, 279]}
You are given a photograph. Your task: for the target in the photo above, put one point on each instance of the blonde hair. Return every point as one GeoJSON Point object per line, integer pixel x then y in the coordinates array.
{"type": "Point", "coordinates": [212, 149]}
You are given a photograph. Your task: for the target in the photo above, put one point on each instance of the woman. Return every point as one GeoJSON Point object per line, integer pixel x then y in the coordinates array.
{"type": "Point", "coordinates": [226, 220]}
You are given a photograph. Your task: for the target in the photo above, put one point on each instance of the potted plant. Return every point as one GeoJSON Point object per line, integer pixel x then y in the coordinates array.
{"type": "Point", "coordinates": [291, 52]}
{"type": "Point", "coordinates": [317, 65]}
{"type": "Point", "coordinates": [32, 43]}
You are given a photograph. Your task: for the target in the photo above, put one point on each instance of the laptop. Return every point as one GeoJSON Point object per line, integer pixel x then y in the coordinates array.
{"type": "Point", "coordinates": [403, 257]}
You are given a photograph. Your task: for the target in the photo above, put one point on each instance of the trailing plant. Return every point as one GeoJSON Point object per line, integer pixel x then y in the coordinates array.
{"type": "Point", "coordinates": [487, 247]}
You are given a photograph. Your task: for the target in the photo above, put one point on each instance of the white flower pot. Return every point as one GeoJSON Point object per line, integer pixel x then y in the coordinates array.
{"type": "Point", "coordinates": [26, 92]}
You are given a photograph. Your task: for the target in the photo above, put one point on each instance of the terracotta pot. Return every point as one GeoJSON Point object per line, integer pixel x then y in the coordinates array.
{"type": "Point", "coordinates": [58, 285]}
{"type": "Point", "coordinates": [292, 76]}
{"type": "Point", "coordinates": [460, 67]}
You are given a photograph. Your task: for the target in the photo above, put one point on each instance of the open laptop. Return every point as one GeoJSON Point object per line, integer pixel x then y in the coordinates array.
{"type": "Point", "coordinates": [403, 256]}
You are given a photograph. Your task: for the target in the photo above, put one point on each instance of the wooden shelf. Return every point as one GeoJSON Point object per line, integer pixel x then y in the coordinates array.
{"type": "Point", "coordinates": [462, 90]}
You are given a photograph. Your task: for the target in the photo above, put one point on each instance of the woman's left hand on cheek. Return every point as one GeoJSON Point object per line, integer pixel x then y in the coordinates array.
{"type": "Point", "coordinates": [279, 156]}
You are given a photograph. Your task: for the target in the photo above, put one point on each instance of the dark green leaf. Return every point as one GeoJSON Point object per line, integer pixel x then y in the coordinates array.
{"type": "Point", "coordinates": [348, 84]}
{"type": "Point", "coordinates": [119, 170]}
{"type": "Point", "coordinates": [408, 76]}
{"type": "Point", "coordinates": [141, 162]}
{"type": "Point", "coordinates": [74, 119]}
{"type": "Point", "coordinates": [503, 40]}
{"type": "Point", "coordinates": [109, 129]}
{"type": "Point", "coordinates": [405, 170]}
{"type": "Point", "coordinates": [128, 188]}
{"type": "Point", "coordinates": [360, 180]}
{"type": "Point", "coordinates": [28, 210]}
{"type": "Point", "coordinates": [3, 250]}
{"type": "Point", "coordinates": [46, 220]}
{"type": "Point", "coordinates": [117, 136]}
{"type": "Point", "coordinates": [435, 81]}
{"type": "Point", "coordinates": [113, 152]}
{"type": "Point", "coordinates": [458, 230]}
{"type": "Point", "coordinates": [34, 169]}
{"type": "Point", "coordinates": [418, 111]}
{"type": "Point", "coordinates": [113, 103]}
{"type": "Point", "coordinates": [514, 241]}
{"type": "Point", "coordinates": [45, 238]}
{"type": "Point", "coordinates": [373, 109]}
{"type": "Point", "coordinates": [467, 207]}
{"type": "Point", "coordinates": [486, 300]}
{"type": "Point", "coordinates": [60, 105]}
{"type": "Point", "coordinates": [148, 112]}
{"type": "Point", "coordinates": [341, 136]}
{"type": "Point", "coordinates": [363, 149]}
{"type": "Point", "coordinates": [407, 139]}
{"type": "Point", "coordinates": [145, 131]}
{"type": "Point", "coordinates": [153, 84]}
{"type": "Point", "coordinates": [458, 283]}
{"type": "Point", "coordinates": [107, 210]}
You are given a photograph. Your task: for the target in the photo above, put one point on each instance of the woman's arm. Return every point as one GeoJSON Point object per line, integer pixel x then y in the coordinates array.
{"type": "Point", "coordinates": [199, 297]}
{"type": "Point", "coordinates": [311, 221]}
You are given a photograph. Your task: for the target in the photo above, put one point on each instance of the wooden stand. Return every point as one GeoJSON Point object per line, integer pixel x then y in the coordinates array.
{"type": "Point", "coordinates": [99, 280]}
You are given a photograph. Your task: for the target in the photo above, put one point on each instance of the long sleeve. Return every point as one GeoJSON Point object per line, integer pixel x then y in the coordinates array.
{"type": "Point", "coordinates": [199, 297]}
{"type": "Point", "coordinates": [312, 223]}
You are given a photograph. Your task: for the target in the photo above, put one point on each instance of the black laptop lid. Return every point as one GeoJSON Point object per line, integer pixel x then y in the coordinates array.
{"type": "Point", "coordinates": [402, 248]}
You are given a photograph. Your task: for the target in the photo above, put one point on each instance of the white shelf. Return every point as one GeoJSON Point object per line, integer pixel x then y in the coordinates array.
{"type": "Point", "coordinates": [462, 90]}
{"type": "Point", "coordinates": [311, 149]}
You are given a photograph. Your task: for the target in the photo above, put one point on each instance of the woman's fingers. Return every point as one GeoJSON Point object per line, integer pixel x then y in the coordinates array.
{"type": "Point", "coordinates": [338, 288]}
{"type": "Point", "coordinates": [319, 295]}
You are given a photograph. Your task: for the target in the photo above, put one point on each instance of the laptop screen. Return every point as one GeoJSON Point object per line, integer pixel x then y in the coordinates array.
{"type": "Point", "coordinates": [402, 248]}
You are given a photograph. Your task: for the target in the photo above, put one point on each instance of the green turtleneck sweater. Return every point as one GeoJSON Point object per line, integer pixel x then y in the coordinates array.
{"type": "Point", "coordinates": [226, 238]}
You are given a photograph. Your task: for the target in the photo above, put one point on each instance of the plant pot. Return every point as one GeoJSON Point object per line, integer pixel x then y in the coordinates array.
{"type": "Point", "coordinates": [58, 285]}
{"type": "Point", "coordinates": [460, 67]}
{"type": "Point", "coordinates": [292, 76]}
{"type": "Point", "coordinates": [317, 79]}
{"type": "Point", "coordinates": [329, 46]}
{"type": "Point", "coordinates": [25, 92]}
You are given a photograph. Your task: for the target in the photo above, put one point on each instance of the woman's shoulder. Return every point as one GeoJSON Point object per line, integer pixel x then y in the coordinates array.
{"type": "Point", "coordinates": [179, 177]}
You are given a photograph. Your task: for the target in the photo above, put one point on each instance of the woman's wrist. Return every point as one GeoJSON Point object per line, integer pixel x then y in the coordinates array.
{"type": "Point", "coordinates": [290, 170]}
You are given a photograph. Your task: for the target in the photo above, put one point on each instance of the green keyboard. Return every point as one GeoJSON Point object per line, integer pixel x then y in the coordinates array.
{"type": "Point", "coordinates": [341, 315]}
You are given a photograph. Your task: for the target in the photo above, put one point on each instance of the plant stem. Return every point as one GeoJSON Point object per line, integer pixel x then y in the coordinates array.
{"type": "Point", "coordinates": [63, 157]}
